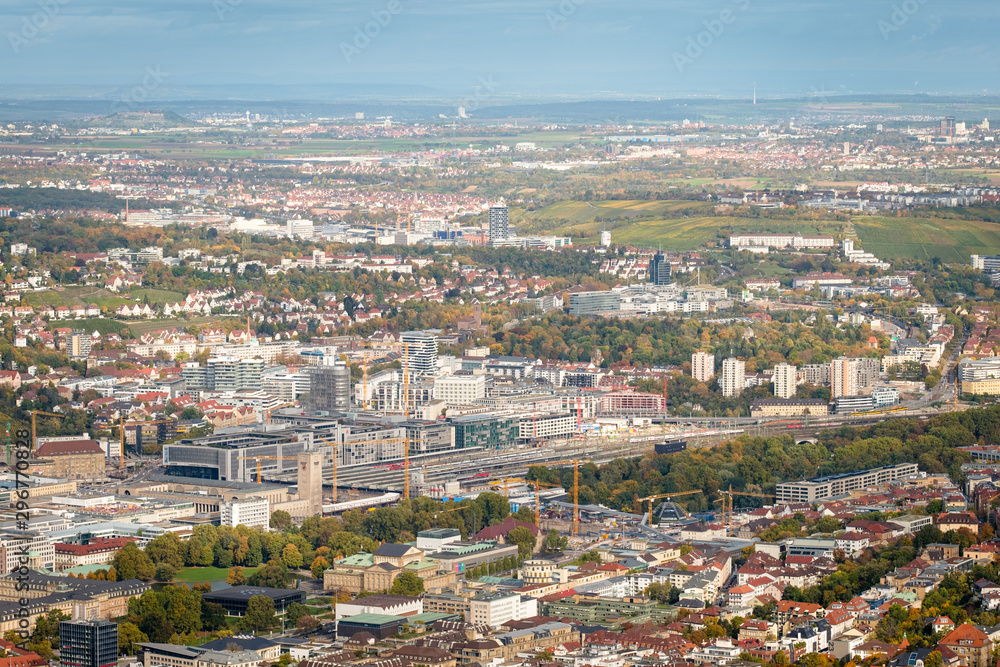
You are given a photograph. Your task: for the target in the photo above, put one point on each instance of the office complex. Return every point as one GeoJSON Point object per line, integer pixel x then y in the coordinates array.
{"type": "Point", "coordinates": [223, 374]}
{"type": "Point", "coordinates": [986, 262]}
{"type": "Point", "coordinates": [330, 387]}
{"type": "Point", "coordinates": [420, 353]}
{"type": "Point", "coordinates": [499, 225]}
{"type": "Point", "coordinates": [591, 303]}
{"type": "Point", "coordinates": [784, 380]}
{"type": "Point", "coordinates": [88, 643]}
{"type": "Point", "coordinates": [702, 366]}
{"type": "Point", "coordinates": [733, 377]}
{"type": "Point", "coordinates": [659, 270]}
{"type": "Point", "coordinates": [821, 488]}
{"type": "Point", "coordinates": [487, 431]}
{"type": "Point", "coordinates": [251, 512]}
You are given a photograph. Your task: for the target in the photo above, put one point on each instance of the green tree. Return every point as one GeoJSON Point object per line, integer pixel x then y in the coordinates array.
{"type": "Point", "coordinates": [280, 519]}
{"type": "Point", "coordinates": [132, 563]}
{"type": "Point", "coordinates": [524, 539]}
{"type": "Point", "coordinates": [295, 611]}
{"type": "Point", "coordinates": [554, 542]}
{"type": "Point", "coordinates": [129, 637]}
{"type": "Point", "coordinates": [166, 548]}
{"type": "Point", "coordinates": [165, 572]}
{"type": "Point", "coordinates": [408, 584]}
{"type": "Point", "coordinates": [318, 567]}
{"type": "Point", "coordinates": [260, 614]}
{"type": "Point", "coordinates": [213, 616]}
{"type": "Point", "coordinates": [272, 575]}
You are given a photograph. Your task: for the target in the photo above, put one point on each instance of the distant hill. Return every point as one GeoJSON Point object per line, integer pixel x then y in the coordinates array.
{"type": "Point", "coordinates": [146, 120]}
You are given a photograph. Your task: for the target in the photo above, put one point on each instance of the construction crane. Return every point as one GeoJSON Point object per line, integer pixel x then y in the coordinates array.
{"type": "Point", "coordinates": [406, 461]}
{"type": "Point", "coordinates": [121, 435]}
{"type": "Point", "coordinates": [668, 496]}
{"type": "Point", "coordinates": [538, 500]}
{"type": "Point", "coordinates": [258, 459]}
{"type": "Point", "coordinates": [576, 487]}
{"type": "Point", "coordinates": [453, 509]}
{"type": "Point", "coordinates": [277, 407]}
{"type": "Point", "coordinates": [732, 493]}
{"type": "Point", "coordinates": [34, 428]}
{"type": "Point", "coordinates": [406, 374]}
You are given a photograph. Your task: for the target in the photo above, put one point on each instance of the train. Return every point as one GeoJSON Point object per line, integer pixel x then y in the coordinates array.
{"type": "Point", "coordinates": [670, 446]}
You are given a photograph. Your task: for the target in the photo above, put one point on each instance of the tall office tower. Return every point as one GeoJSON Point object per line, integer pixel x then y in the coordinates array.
{"type": "Point", "coordinates": [733, 377]}
{"type": "Point", "coordinates": [843, 377]}
{"type": "Point", "coordinates": [784, 380]}
{"type": "Point", "coordinates": [420, 353]}
{"type": "Point", "coordinates": [948, 126]}
{"type": "Point", "coordinates": [310, 481]}
{"type": "Point", "coordinates": [88, 643]}
{"type": "Point", "coordinates": [499, 225]}
{"type": "Point", "coordinates": [330, 387]}
{"type": "Point", "coordinates": [659, 270]}
{"type": "Point", "coordinates": [702, 366]}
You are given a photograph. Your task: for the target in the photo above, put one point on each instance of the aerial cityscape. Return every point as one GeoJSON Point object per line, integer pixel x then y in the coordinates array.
{"type": "Point", "coordinates": [579, 333]}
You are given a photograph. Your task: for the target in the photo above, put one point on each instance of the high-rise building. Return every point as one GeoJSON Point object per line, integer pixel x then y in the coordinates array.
{"type": "Point", "coordinates": [223, 374]}
{"type": "Point", "coordinates": [88, 643]}
{"type": "Point", "coordinates": [330, 387]}
{"type": "Point", "coordinates": [702, 366]}
{"type": "Point", "coordinates": [784, 380]}
{"type": "Point", "coordinates": [310, 481]}
{"type": "Point", "coordinates": [659, 270]}
{"type": "Point", "coordinates": [420, 353]}
{"type": "Point", "coordinates": [606, 239]}
{"type": "Point", "coordinates": [733, 377]}
{"type": "Point", "coordinates": [843, 377]}
{"type": "Point", "coordinates": [948, 126]}
{"type": "Point", "coordinates": [499, 225]}
{"type": "Point", "coordinates": [78, 345]}
{"type": "Point", "coordinates": [249, 512]}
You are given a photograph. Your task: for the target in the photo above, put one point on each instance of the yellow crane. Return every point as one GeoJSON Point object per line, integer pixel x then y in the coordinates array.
{"type": "Point", "coordinates": [576, 488]}
{"type": "Point", "coordinates": [406, 374]}
{"type": "Point", "coordinates": [34, 426]}
{"type": "Point", "coordinates": [668, 496]}
{"type": "Point", "coordinates": [406, 462]}
{"type": "Point", "coordinates": [277, 407]}
{"type": "Point", "coordinates": [730, 493]}
{"type": "Point", "coordinates": [121, 435]}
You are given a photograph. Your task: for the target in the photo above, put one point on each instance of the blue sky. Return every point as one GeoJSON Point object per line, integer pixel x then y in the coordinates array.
{"type": "Point", "coordinates": [448, 48]}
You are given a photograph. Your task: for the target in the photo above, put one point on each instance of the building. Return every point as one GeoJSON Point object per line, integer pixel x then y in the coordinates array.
{"type": "Point", "coordinates": [236, 598]}
{"type": "Point", "coordinates": [822, 488]}
{"type": "Point", "coordinates": [733, 377]}
{"type": "Point", "coordinates": [784, 380]}
{"type": "Point", "coordinates": [330, 387]}
{"type": "Point", "coordinates": [499, 225]}
{"type": "Point", "coordinates": [302, 229]}
{"type": "Point", "coordinates": [606, 239]}
{"type": "Point", "coordinates": [98, 551]}
{"type": "Point", "coordinates": [250, 512]}
{"type": "Point", "coordinates": [223, 374]}
{"type": "Point", "coordinates": [460, 389]}
{"type": "Point", "coordinates": [592, 303]}
{"type": "Point", "coordinates": [843, 378]}
{"type": "Point", "coordinates": [69, 459]}
{"type": "Point", "coordinates": [659, 270]}
{"type": "Point", "coordinates": [174, 655]}
{"type": "Point", "coordinates": [497, 609]}
{"type": "Point", "coordinates": [487, 431]}
{"type": "Point", "coordinates": [627, 401]}
{"type": "Point", "coordinates": [88, 643]}
{"type": "Point", "coordinates": [989, 263]}
{"type": "Point", "coordinates": [702, 366]}
{"type": "Point", "coordinates": [788, 407]}
{"type": "Point", "coordinates": [420, 353]}
{"type": "Point", "coordinates": [971, 645]}
{"type": "Point", "coordinates": [78, 345]}
{"type": "Point", "coordinates": [779, 241]}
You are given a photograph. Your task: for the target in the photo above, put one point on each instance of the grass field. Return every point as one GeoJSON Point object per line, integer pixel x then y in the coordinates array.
{"type": "Point", "coordinates": [194, 575]}
{"type": "Point", "coordinates": [926, 238]}
{"type": "Point", "coordinates": [100, 325]}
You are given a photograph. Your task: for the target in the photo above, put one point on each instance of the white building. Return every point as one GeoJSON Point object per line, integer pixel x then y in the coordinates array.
{"type": "Point", "coordinates": [301, 228]}
{"type": "Point", "coordinates": [843, 377]}
{"type": "Point", "coordinates": [460, 389]}
{"type": "Point", "coordinates": [733, 374]}
{"type": "Point", "coordinates": [784, 380]}
{"type": "Point", "coordinates": [252, 513]}
{"type": "Point", "coordinates": [495, 609]}
{"type": "Point", "coordinates": [606, 239]}
{"type": "Point", "coordinates": [702, 366]}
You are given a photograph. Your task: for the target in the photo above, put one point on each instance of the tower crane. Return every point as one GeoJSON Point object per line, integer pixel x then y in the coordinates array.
{"type": "Point", "coordinates": [121, 435]}
{"type": "Point", "coordinates": [258, 459]}
{"type": "Point", "coordinates": [34, 426]}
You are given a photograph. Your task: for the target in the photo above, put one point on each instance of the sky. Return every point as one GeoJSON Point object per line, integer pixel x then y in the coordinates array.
{"type": "Point", "coordinates": [480, 52]}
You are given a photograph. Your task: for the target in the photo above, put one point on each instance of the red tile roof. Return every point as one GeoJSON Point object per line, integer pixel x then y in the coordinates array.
{"type": "Point", "coordinates": [69, 447]}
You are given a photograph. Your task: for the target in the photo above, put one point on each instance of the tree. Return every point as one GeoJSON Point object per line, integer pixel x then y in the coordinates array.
{"type": "Point", "coordinates": [213, 616]}
{"type": "Point", "coordinates": [934, 659]}
{"type": "Point", "coordinates": [307, 624]}
{"type": "Point", "coordinates": [318, 567]}
{"type": "Point", "coordinates": [291, 556]}
{"type": "Point", "coordinates": [133, 563]}
{"type": "Point", "coordinates": [165, 572]}
{"type": "Point", "coordinates": [272, 575]}
{"type": "Point", "coordinates": [408, 584]}
{"type": "Point", "coordinates": [260, 614]}
{"type": "Point", "coordinates": [555, 543]}
{"type": "Point", "coordinates": [524, 539]}
{"type": "Point", "coordinates": [129, 636]}
{"type": "Point", "coordinates": [166, 548]}
{"type": "Point", "coordinates": [295, 611]}
{"type": "Point", "coordinates": [280, 519]}
{"type": "Point", "coordinates": [236, 576]}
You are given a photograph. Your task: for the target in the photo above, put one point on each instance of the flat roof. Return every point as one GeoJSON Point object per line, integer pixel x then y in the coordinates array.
{"type": "Point", "coordinates": [373, 619]}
